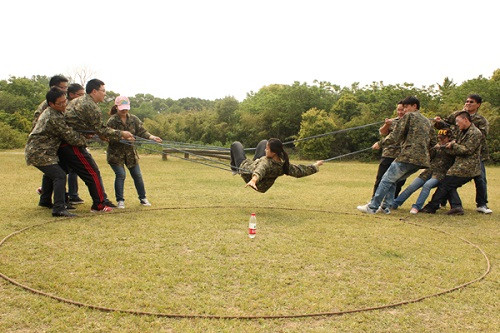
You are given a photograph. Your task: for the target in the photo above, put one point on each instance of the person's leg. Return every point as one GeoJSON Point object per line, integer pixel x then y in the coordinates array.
{"type": "Point", "coordinates": [389, 197]}
{"type": "Point", "coordinates": [72, 185]}
{"type": "Point", "coordinates": [455, 201]}
{"type": "Point", "coordinates": [396, 171]}
{"type": "Point", "coordinates": [58, 177]}
{"type": "Point", "coordinates": [424, 194]}
{"type": "Point", "coordinates": [136, 174]}
{"type": "Point", "coordinates": [481, 188]}
{"type": "Point", "coordinates": [47, 189]}
{"type": "Point", "coordinates": [119, 181]}
{"type": "Point", "coordinates": [385, 162]}
{"type": "Point", "coordinates": [399, 186]}
{"type": "Point", "coordinates": [81, 162]}
{"type": "Point", "coordinates": [415, 185]}
{"type": "Point", "coordinates": [237, 155]}
{"type": "Point", "coordinates": [260, 150]}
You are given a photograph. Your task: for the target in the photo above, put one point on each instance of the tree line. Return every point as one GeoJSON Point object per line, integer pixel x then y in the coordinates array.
{"type": "Point", "coordinates": [288, 112]}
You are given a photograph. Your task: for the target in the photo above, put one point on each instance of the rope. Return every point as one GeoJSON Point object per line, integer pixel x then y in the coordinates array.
{"type": "Point", "coordinates": [305, 315]}
{"type": "Point", "coordinates": [348, 154]}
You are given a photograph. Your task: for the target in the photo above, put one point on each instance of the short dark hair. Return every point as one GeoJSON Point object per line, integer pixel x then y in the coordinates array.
{"type": "Point", "coordinates": [74, 88]}
{"type": "Point", "coordinates": [476, 97]}
{"type": "Point", "coordinates": [464, 114]}
{"type": "Point", "coordinates": [53, 94]}
{"type": "Point", "coordinates": [410, 100]}
{"type": "Point", "coordinates": [56, 79]}
{"type": "Point", "coordinates": [93, 84]}
{"type": "Point", "coordinates": [400, 102]}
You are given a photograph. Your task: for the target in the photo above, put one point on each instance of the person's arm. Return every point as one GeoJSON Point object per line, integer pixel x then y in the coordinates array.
{"type": "Point", "coordinates": [143, 133]}
{"type": "Point", "coordinates": [301, 170]}
{"type": "Point", "coordinates": [398, 133]}
{"type": "Point", "coordinates": [465, 148]}
{"type": "Point", "coordinates": [66, 133]}
{"type": "Point", "coordinates": [385, 129]}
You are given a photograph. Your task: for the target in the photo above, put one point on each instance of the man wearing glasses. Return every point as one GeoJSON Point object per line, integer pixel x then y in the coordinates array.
{"type": "Point", "coordinates": [84, 115]}
{"type": "Point", "coordinates": [472, 104]}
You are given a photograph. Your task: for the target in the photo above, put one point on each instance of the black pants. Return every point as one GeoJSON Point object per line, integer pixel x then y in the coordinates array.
{"type": "Point", "coordinates": [447, 189]}
{"type": "Point", "coordinates": [81, 162]}
{"type": "Point", "coordinates": [238, 153]}
{"type": "Point", "coordinates": [385, 162]}
{"type": "Point", "coordinates": [53, 181]}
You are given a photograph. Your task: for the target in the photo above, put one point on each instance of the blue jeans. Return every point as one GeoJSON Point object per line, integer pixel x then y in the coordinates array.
{"type": "Point", "coordinates": [481, 187]}
{"type": "Point", "coordinates": [415, 185]}
{"type": "Point", "coordinates": [135, 172]}
{"type": "Point", "coordinates": [387, 187]}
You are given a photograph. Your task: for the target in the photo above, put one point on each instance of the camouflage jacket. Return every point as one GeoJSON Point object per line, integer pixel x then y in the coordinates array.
{"type": "Point", "coordinates": [120, 153]}
{"type": "Point", "coordinates": [416, 136]}
{"type": "Point", "coordinates": [466, 150]}
{"type": "Point", "coordinates": [267, 170]}
{"type": "Point", "coordinates": [45, 138]}
{"type": "Point", "coordinates": [479, 121]}
{"type": "Point", "coordinates": [84, 115]}
{"type": "Point", "coordinates": [392, 151]}
{"type": "Point", "coordinates": [441, 161]}
{"type": "Point", "coordinates": [38, 112]}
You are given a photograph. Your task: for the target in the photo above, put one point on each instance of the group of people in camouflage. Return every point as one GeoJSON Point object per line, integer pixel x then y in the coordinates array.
{"type": "Point", "coordinates": [456, 157]}
{"type": "Point", "coordinates": [58, 140]}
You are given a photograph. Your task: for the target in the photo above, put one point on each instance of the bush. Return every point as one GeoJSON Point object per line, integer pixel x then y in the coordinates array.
{"type": "Point", "coordinates": [11, 138]}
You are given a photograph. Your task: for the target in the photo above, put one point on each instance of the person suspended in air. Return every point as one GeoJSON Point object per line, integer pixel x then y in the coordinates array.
{"type": "Point", "coordinates": [270, 162]}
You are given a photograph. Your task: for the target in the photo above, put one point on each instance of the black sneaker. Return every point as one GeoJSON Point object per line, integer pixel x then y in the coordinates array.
{"type": "Point", "coordinates": [69, 207]}
{"type": "Point", "coordinates": [76, 200]}
{"type": "Point", "coordinates": [109, 204]}
{"type": "Point", "coordinates": [46, 204]}
{"type": "Point", "coordinates": [455, 211]}
{"type": "Point", "coordinates": [63, 213]}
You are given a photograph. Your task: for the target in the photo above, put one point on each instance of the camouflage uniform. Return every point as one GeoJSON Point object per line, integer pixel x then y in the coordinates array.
{"type": "Point", "coordinates": [38, 112]}
{"type": "Point", "coordinates": [466, 149]}
{"type": "Point", "coordinates": [84, 115]}
{"type": "Point", "coordinates": [478, 120]}
{"type": "Point", "coordinates": [392, 151]}
{"type": "Point", "coordinates": [441, 161]}
{"type": "Point", "coordinates": [41, 151]}
{"type": "Point", "coordinates": [467, 164]}
{"type": "Point", "coordinates": [119, 153]}
{"type": "Point", "coordinates": [416, 136]}
{"type": "Point", "coordinates": [46, 136]}
{"type": "Point", "coordinates": [267, 170]}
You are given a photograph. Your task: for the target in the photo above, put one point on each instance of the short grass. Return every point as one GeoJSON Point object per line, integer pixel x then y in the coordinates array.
{"type": "Point", "coordinates": [313, 253]}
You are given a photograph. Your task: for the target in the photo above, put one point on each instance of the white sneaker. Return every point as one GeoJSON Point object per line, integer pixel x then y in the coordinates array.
{"type": "Point", "coordinates": [145, 202]}
{"type": "Point", "coordinates": [383, 210]}
{"type": "Point", "coordinates": [366, 209]}
{"type": "Point", "coordinates": [484, 209]}
{"type": "Point", "coordinates": [413, 211]}
{"type": "Point", "coordinates": [121, 204]}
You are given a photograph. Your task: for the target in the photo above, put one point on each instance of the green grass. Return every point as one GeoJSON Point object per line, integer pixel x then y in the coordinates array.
{"type": "Point", "coordinates": [320, 256]}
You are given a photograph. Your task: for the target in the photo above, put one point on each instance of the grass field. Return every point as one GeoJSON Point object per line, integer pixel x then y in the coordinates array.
{"type": "Point", "coordinates": [189, 254]}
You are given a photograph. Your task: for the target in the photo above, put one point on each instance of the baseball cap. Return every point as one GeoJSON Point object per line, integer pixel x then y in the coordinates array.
{"type": "Point", "coordinates": [122, 102]}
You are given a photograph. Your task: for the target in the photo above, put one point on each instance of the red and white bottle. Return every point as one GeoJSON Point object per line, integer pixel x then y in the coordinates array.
{"type": "Point", "coordinates": [252, 226]}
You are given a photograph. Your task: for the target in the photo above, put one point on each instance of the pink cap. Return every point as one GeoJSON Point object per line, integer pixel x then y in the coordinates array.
{"type": "Point", "coordinates": [122, 102]}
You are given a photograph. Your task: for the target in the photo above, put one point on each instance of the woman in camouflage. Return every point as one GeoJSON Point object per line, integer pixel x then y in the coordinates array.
{"type": "Point", "coordinates": [120, 154]}
{"type": "Point", "coordinates": [270, 162]}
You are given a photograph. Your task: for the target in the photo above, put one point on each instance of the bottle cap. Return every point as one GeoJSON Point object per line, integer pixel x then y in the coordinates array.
{"type": "Point", "coordinates": [253, 214]}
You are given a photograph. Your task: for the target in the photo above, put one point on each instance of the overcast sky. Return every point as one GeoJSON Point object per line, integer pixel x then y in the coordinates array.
{"type": "Point", "coordinates": [216, 48]}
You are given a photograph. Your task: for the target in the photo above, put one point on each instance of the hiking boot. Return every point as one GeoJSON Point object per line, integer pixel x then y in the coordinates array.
{"type": "Point", "coordinates": [63, 213]}
{"type": "Point", "coordinates": [366, 209]}
{"type": "Point", "coordinates": [145, 202]}
{"type": "Point", "coordinates": [121, 204]}
{"type": "Point", "coordinates": [484, 210]}
{"type": "Point", "coordinates": [76, 200]}
{"type": "Point", "coordinates": [455, 211]}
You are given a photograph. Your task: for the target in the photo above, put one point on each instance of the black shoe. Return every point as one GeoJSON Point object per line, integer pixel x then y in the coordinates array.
{"type": "Point", "coordinates": [456, 211]}
{"type": "Point", "coordinates": [70, 207]}
{"type": "Point", "coordinates": [45, 204]}
{"type": "Point", "coordinates": [76, 200]}
{"type": "Point", "coordinates": [428, 210]}
{"type": "Point", "coordinates": [109, 204]}
{"type": "Point", "coordinates": [63, 213]}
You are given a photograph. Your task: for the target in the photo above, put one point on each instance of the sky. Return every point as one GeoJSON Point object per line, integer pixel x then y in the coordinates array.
{"type": "Point", "coordinates": [218, 48]}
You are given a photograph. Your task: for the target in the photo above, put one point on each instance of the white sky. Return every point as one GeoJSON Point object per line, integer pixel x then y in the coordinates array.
{"type": "Point", "coordinates": [216, 48]}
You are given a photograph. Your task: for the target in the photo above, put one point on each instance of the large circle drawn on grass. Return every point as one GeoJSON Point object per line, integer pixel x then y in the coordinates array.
{"type": "Point", "coordinates": [298, 315]}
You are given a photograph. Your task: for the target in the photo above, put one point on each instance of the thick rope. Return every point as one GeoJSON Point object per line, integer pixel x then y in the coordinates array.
{"type": "Point", "coordinates": [319, 314]}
